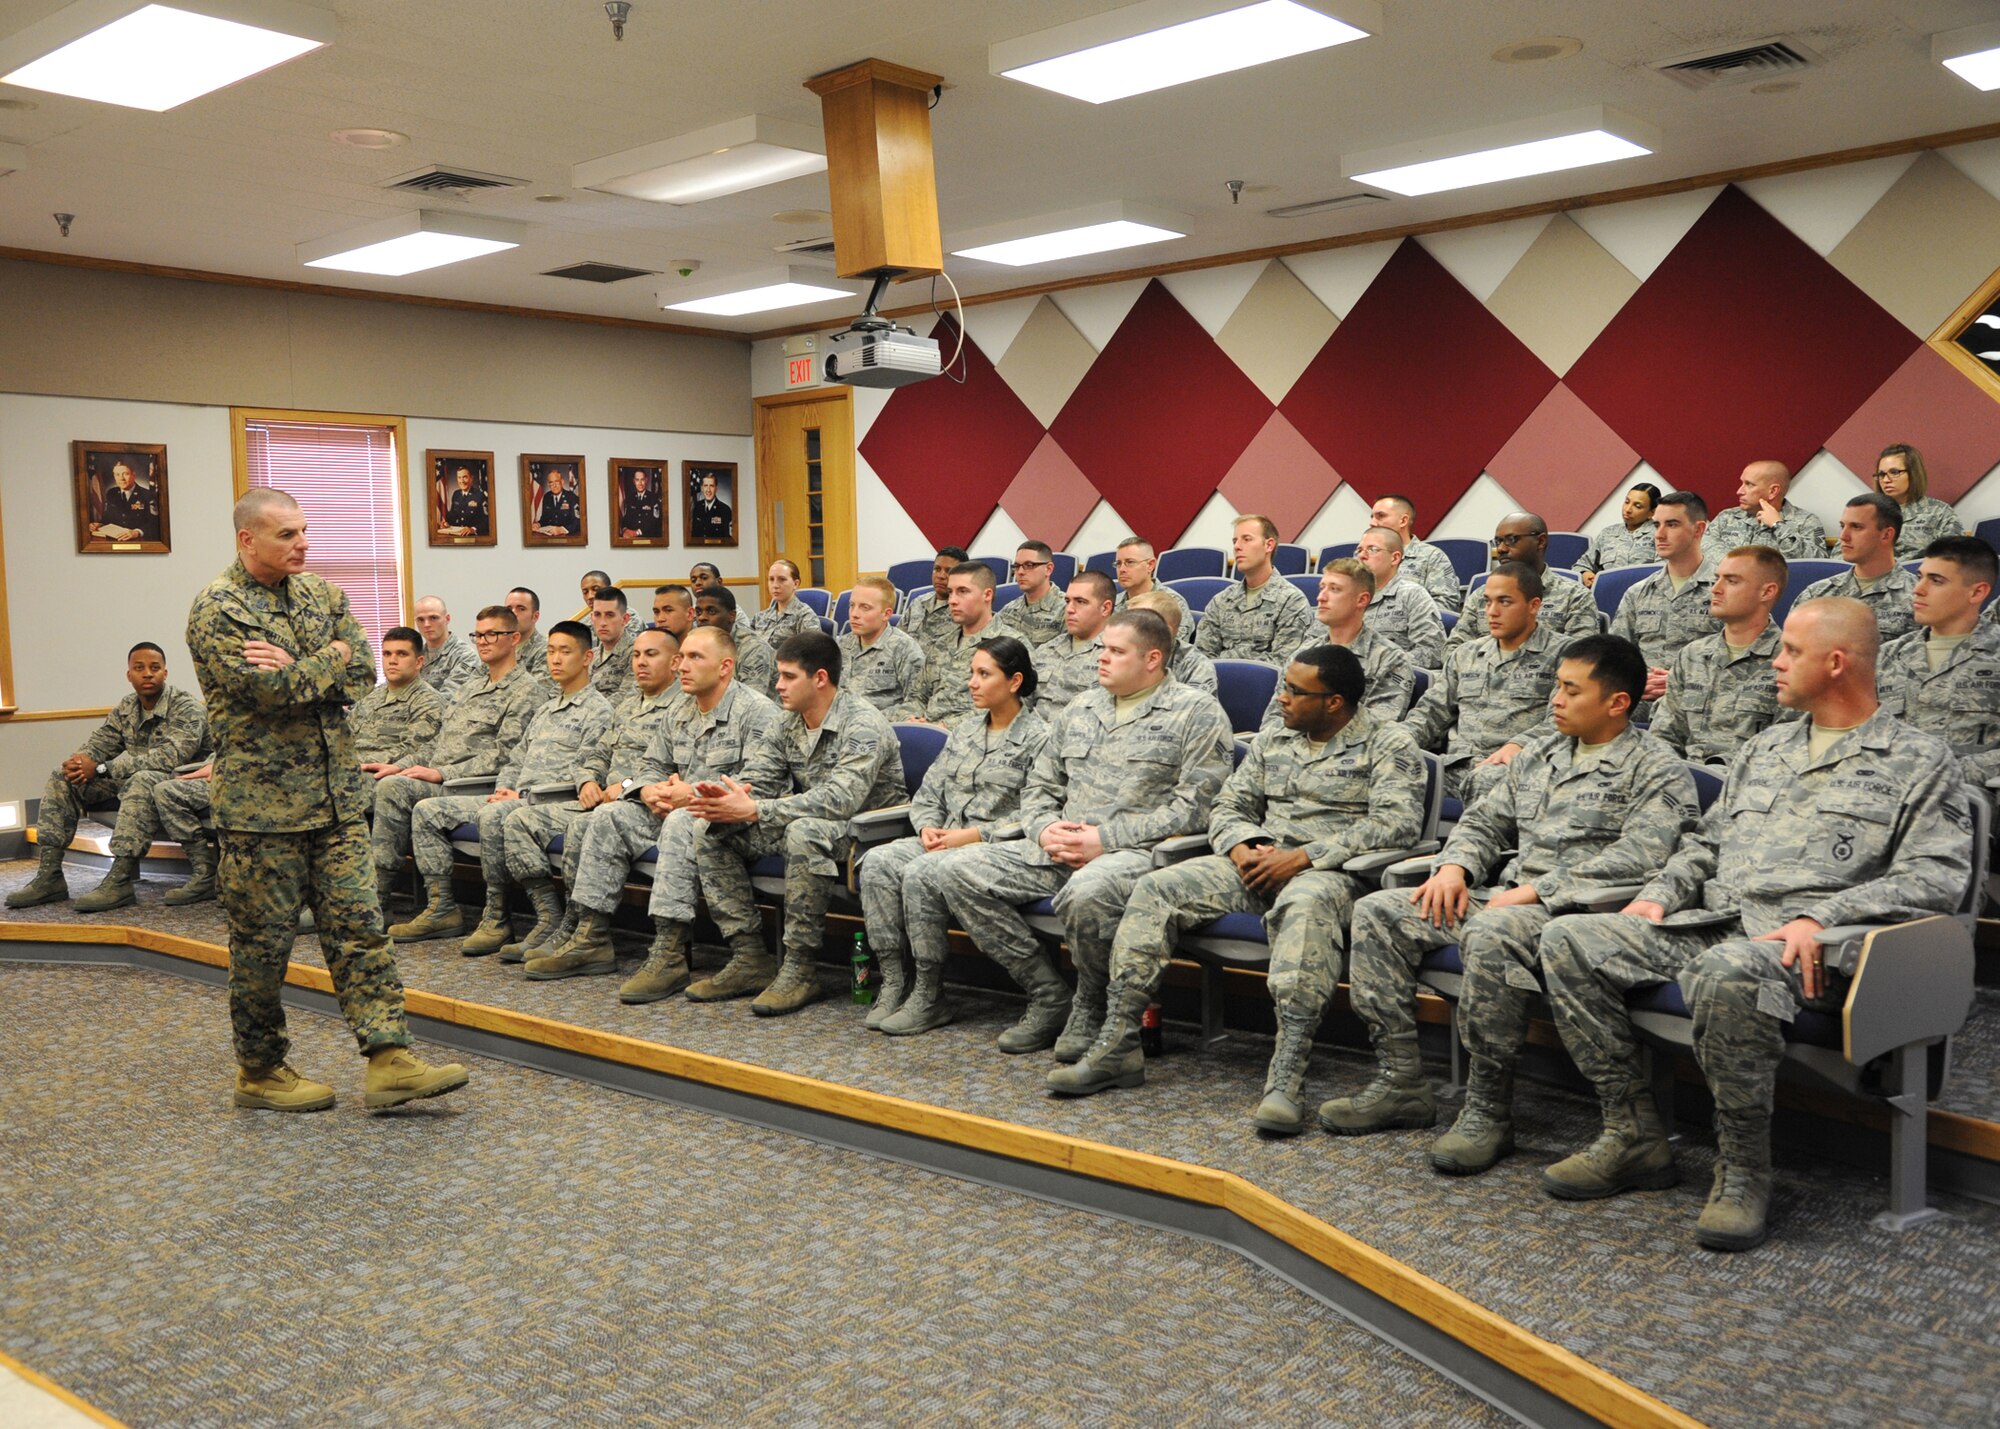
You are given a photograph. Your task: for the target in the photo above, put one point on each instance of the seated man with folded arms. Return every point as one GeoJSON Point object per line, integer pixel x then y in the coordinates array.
{"type": "Point", "coordinates": [151, 731]}
{"type": "Point", "coordinates": [971, 795]}
{"type": "Point", "coordinates": [1035, 616]}
{"type": "Point", "coordinates": [927, 620]}
{"type": "Point", "coordinates": [1424, 564]}
{"type": "Point", "coordinates": [673, 610]}
{"type": "Point", "coordinates": [1871, 528]}
{"type": "Point", "coordinates": [710, 728]}
{"type": "Point", "coordinates": [1944, 676]}
{"type": "Point", "coordinates": [1402, 612]}
{"type": "Point", "coordinates": [609, 773]}
{"type": "Point", "coordinates": [554, 749]}
{"type": "Point", "coordinates": [1188, 664]}
{"type": "Point", "coordinates": [878, 661]}
{"type": "Point", "coordinates": [1765, 516]}
{"type": "Point", "coordinates": [1721, 689]}
{"type": "Point", "coordinates": [1134, 566]}
{"type": "Point", "coordinates": [482, 724]}
{"type": "Point", "coordinates": [1567, 605]}
{"type": "Point", "coordinates": [1263, 617]}
{"type": "Point", "coordinates": [941, 693]}
{"type": "Point", "coordinates": [1670, 608]}
{"type": "Point", "coordinates": [1067, 667]}
{"type": "Point", "coordinates": [1131, 763]}
{"type": "Point", "coordinates": [449, 660]}
{"type": "Point", "coordinates": [1597, 802]}
{"type": "Point", "coordinates": [1345, 589]}
{"type": "Point", "coordinates": [1330, 783]}
{"type": "Point", "coordinates": [1847, 816]}
{"type": "Point", "coordinates": [611, 662]}
{"type": "Point", "coordinates": [829, 758]}
{"type": "Point", "coordinates": [1493, 695]}
{"type": "Point", "coordinates": [756, 663]}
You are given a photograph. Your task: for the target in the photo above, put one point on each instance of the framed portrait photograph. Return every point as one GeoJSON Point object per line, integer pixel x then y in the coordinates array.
{"type": "Point", "coordinates": [121, 498]}
{"type": "Point", "coordinates": [552, 506]}
{"type": "Point", "coordinates": [708, 503]}
{"type": "Point", "coordinates": [461, 498]}
{"type": "Point", "coordinates": [638, 501]}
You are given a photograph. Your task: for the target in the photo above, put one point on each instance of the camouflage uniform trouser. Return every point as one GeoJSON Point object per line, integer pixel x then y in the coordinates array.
{"type": "Point", "coordinates": [527, 833]}
{"type": "Point", "coordinates": [180, 805]}
{"type": "Point", "coordinates": [903, 902]}
{"type": "Point", "coordinates": [985, 893]}
{"type": "Point", "coordinates": [601, 847]}
{"type": "Point", "coordinates": [1306, 925]}
{"type": "Point", "coordinates": [430, 838]}
{"type": "Point", "coordinates": [1390, 939]}
{"type": "Point", "coordinates": [64, 804]}
{"type": "Point", "coordinates": [396, 799]}
{"type": "Point", "coordinates": [1468, 783]}
{"type": "Point", "coordinates": [812, 849]}
{"type": "Point", "coordinates": [1735, 987]}
{"type": "Point", "coordinates": [262, 880]}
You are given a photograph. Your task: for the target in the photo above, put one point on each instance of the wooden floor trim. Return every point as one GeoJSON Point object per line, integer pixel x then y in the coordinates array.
{"type": "Point", "coordinates": [56, 1391]}
{"type": "Point", "coordinates": [1557, 1370]}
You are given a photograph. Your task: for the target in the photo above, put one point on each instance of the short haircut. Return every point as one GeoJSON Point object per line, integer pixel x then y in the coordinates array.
{"type": "Point", "coordinates": [612, 593]}
{"type": "Point", "coordinates": [1615, 663]}
{"type": "Point", "coordinates": [406, 635]}
{"type": "Point", "coordinates": [789, 564]}
{"type": "Point", "coordinates": [254, 503]}
{"type": "Point", "coordinates": [1147, 627]}
{"type": "Point", "coordinates": [883, 587]}
{"type": "Point", "coordinates": [534, 601]}
{"type": "Point", "coordinates": [1920, 477]}
{"type": "Point", "coordinates": [1524, 576]}
{"type": "Point", "coordinates": [1013, 659]}
{"type": "Point", "coordinates": [1101, 586]}
{"type": "Point", "coordinates": [659, 630]}
{"type": "Point", "coordinates": [1040, 548]}
{"type": "Point", "coordinates": [1769, 561]}
{"type": "Point", "coordinates": [1352, 569]}
{"type": "Point", "coordinates": [725, 641]}
{"type": "Point", "coordinates": [812, 651]}
{"type": "Point", "coordinates": [437, 600]}
{"type": "Point", "coordinates": [500, 613]}
{"type": "Point", "coordinates": [1688, 501]}
{"type": "Point", "coordinates": [1395, 537]}
{"type": "Point", "coordinates": [1888, 515]}
{"type": "Point", "coordinates": [1972, 556]}
{"type": "Point", "coordinates": [1338, 669]}
{"type": "Point", "coordinates": [978, 572]}
{"type": "Point", "coordinates": [710, 566]}
{"type": "Point", "coordinates": [602, 577]}
{"type": "Point", "coordinates": [145, 645]}
{"type": "Point", "coordinates": [722, 595]}
{"type": "Point", "coordinates": [1266, 527]}
{"type": "Point", "coordinates": [957, 553]}
{"type": "Point", "coordinates": [1136, 541]}
{"type": "Point", "coordinates": [1161, 604]}
{"type": "Point", "coordinates": [673, 588]}
{"type": "Point", "coordinates": [1652, 491]}
{"type": "Point", "coordinates": [575, 630]}
{"type": "Point", "coordinates": [1409, 506]}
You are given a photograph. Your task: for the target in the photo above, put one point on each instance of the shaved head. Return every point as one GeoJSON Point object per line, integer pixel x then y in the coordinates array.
{"type": "Point", "coordinates": [1839, 622]}
{"type": "Point", "coordinates": [1766, 472]}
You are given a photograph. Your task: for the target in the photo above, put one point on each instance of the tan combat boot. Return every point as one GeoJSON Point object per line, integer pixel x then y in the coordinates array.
{"type": "Point", "coordinates": [47, 886]}
{"type": "Point", "coordinates": [1399, 1096]}
{"type": "Point", "coordinates": [749, 970]}
{"type": "Point", "coordinates": [280, 1088]}
{"type": "Point", "coordinates": [1632, 1153]}
{"type": "Point", "coordinates": [120, 886]}
{"type": "Point", "coordinates": [1113, 1059]}
{"type": "Point", "coordinates": [924, 1009]}
{"type": "Point", "coordinates": [1049, 1001]}
{"type": "Point", "coordinates": [549, 919]}
{"type": "Point", "coordinates": [588, 953]}
{"type": "Point", "coordinates": [439, 919]}
{"type": "Point", "coordinates": [665, 971]}
{"type": "Point", "coordinates": [889, 993]}
{"type": "Point", "coordinates": [1281, 1112]}
{"type": "Point", "coordinates": [397, 1075]}
{"type": "Point", "coordinates": [200, 886]}
{"type": "Point", "coordinates": [1086, 1016]}
{"type": "Point", "coordinates": [1737, 1216]}
{"type": "Point", "coordinates": [494, 931]}
{"type": "Point", "coordinates": [1484, 1130]}
{"type": "Point", "coordinates": [796, 984]}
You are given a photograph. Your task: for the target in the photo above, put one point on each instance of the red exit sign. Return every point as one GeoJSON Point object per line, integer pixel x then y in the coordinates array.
{"type": "Point", "coordinates": [799, 371]}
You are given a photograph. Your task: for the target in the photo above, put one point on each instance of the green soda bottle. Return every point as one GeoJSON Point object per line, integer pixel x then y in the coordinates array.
{"type": "Point", "coordinates": [864, 972]}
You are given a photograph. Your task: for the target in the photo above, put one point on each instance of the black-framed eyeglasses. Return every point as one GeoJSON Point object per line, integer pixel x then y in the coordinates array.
{"type": "Point", "coordinates": [1028, 565]}
{"type": "Point", "coordinates": [1294, 692]}
{"type": "Point", "coordinates": [1894, 471]}
{"type": "Point", "coordinates": [493, 634]}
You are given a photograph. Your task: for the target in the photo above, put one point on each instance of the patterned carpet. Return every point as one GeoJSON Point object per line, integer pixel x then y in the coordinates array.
{"type": "Point", "coordinates": [1833, 1323]}
{"type": "Point", "coordinates": [538, 1251]}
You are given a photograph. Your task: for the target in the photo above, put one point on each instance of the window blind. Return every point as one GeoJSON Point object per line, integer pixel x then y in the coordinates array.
{"type": "Point", "coordinates": [344, 478]}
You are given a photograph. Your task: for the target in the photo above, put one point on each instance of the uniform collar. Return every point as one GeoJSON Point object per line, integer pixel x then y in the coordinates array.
{"type": "Point", "coordinates": [1877, 733]}
{"type": "Point", "coordinates": [1615, 754]}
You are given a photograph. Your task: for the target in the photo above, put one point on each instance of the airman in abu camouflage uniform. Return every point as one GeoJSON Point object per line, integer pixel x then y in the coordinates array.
{"type": "Point", "coordinates": [1721, 689]}
{"type": "Point", "coordinates": [1849, 816]}
{"type": "Point", "coordinates": [970, 796]}
{"type": "Point", "coordinates": [279, 654]}
{"type": "Point", "coordinates": [1870, 526]}
{"type": "Point", "coordinates": [1597, 802]}
{"type": "Point", "coordinates": [941, 695]}
{"type": "Point", "coordinates": [832, 756]}
{"type": "Point", "coordinates": [1944, 677]}
{"type": "Point", "coordinates": [1346, 593]}
{"type": "Point", "coordinates": [1262, 617]}
{"type": "Point", "coordinates": [1568, 607]}
{"type": "Point", "coordinates": [147, 734]}
{"type": "Point", "coordinates": [1131, 763]}
{"type": "Point", "coordinates": [1765, 516]}
{"type": "Point", "coordinates": [1402, 611]}
{"type": "Point", "coordinates": [1186, 664]}
{"type": "Point", "coordinates": [1067, 667]}
{"type": "Point", "coordinates": [1618, 545]}
{"type": "Point", "coordinates": [611, 624]}
{"type": "Point", "coordinates": [877, 661]}
{"type": "Point", "coordinates": [1423, 564]}
{"type": "Point", "coordinates": [556, 749]}
{"type": "Point", "coordinates": [1333, 782]}
{"type": "Point", "coordinates": [449, 660]}
{"type": "Point", "coordinates": [1032, 622]}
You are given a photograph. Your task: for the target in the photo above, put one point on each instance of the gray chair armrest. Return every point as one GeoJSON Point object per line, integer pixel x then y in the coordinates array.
{"type": "Point", "coordinates": [472, 784]}
{"type": "Point", "coordinates": [1179, 849]}
{"type": "Point", "coordinates": [1409, 872]}
{"type": "Point", "coordinates": [550, 793]}
{"type": "Point", "coordinates": [192, 765]}
{"type": "Point", "coordinates": [876, 826]}
{"type": "Point", "coordinates": [1380, 861]}
{"type": "Point", "coordinates": [1610, 897]}
{"type": "Point", "coordinates": [1909, 982]}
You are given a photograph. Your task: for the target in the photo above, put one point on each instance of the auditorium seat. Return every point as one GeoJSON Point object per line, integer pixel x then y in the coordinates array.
{"type": "Point", "coordinates": [1799, 575]}
{"type": "Point", "coordinates": [839, 611]}
{"type": "Point", "coordinates": [1308, 587]}
{"type": "Point", "coordinates": [919, 746]}
{"type": "Point", "coordinates": [1337, 550]}
{"type": "Point", "coordinates": [1065, 569]}
{"type": "Point", "coordinates": [1989, 531]}
{"type": "Point", "coordinates": [817, 600]}
{"type": "Point", "coordinates": [1566, 548]}
{"type": "Point", "coordinates": [1467, 557]}
{"type": "Point", "coordinates": [1187, 562]}
{"type": "Point", "coordinates": [911, 577]}
{"type": "Point", "coordinates": [1001, 566]}
{"type": "Point", "coordinates": [1005, 594]}
{"type": "Point", "coordinates": [1244, 687]}
{"type": "Point", "coordinates": [1289, 560]}
{"type": "Point", "coordinates": [1611, 585]}
{"type": "Point", "coordinates": [1198, 591]}
{"type": "Point", "coordinates": [1105, 561]}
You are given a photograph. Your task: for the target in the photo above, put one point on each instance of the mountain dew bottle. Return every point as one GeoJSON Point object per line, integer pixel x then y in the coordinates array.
{"type": "Point", "coordinates": [864, 972]}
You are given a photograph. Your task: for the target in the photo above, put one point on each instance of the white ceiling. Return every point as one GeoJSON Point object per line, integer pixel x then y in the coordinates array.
{"type": "Point", "coordinates": [230, 182]}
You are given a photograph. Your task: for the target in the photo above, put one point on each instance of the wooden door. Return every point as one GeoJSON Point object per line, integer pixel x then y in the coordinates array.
{"type": "Point", "coordinates": [805, 485]}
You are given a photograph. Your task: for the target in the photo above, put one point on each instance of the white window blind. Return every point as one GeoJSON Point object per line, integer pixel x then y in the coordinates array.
{"type": "Point", "coordinates": [344, 478]}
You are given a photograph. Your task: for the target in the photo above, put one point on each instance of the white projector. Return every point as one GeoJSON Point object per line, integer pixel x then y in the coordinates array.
{"type": "Point", "coordinates": [880, 357]}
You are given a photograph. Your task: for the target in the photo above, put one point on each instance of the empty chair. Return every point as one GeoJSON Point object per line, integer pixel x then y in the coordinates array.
{"type": "Point", "coordinates": [1340, 549]}
{"type": "Point", "coordinates": [911, 577]}
{"type": "Point", "coordinates": [1308, 586]}
{"type": "Point", "coordinates": [839, 612]}
{"type": "Point", "coordinates": [1198, 591]}
{"type": "Point", "coordinates": [819, 601]}
{"type": "Point", "coordinates": [1004, 593]}
{"type": "Point", "coordinates": [1065, 569]}
{"type": "Point", "coordinates": [1611, 585]}
{"type": "Point", "coordinates": [1467, 557]}
{"type": "Point", "coordinates": [1799, 575]}
{"type": "Point", "coordinates": [1105, 561]}
{"type": "Point", "coordinates": [1290, 560]}
{"type": "Point", "coordinates": [1565, 547]}
{"type": "Point", "coordinates": [1244, 687]}
{"type": "Point", "coordinates": [1187, 562]}
{"type": "Point", "coordinates": [1001, 566]}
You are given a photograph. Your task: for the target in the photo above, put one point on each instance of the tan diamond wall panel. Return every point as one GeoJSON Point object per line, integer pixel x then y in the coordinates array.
{"type": "Point", "coordinates": [1932, 240]}
{"type": "Point", "coordinates": [1560, 295]}
{"type": "Point", "coordinates": [1045, 361]}
{"type": "Point", "coordinates": [1276, 330]}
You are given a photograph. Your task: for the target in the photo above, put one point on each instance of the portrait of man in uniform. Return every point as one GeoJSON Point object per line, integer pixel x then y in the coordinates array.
{"type": "Point", "coordinates": [552, 511]}
{"type": "Point", "coordinates": [710, 491]}
{"type": "Point", "coordinates": [121, 497]}
{"type": "Point", "coordinates": [638, 502]}
{"type": "Point", "coordinates": [461, 498]}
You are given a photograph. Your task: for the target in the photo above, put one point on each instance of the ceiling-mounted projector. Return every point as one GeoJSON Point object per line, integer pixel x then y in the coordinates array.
{"type": "Point", "coordinates": [877, 353]}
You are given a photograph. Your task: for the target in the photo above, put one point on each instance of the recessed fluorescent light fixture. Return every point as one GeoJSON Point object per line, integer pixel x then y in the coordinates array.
{"type": "Point", "coordinates": [1972, 54]}
{"type": "Point", "coordinates": [725, 159]}
{"type": "Point", "coordinates": [1570, 140]}
{"type": "Point", "coordinates": [158, 56]}
{"type": "Point", "coordinates": [412, 242]}
{"type": "Point", "coordinates": [1075, 234]}
{"type": "Point", "coordinates": [760, 291]}
{"type": "Point", "coordinates": [1159, 43]}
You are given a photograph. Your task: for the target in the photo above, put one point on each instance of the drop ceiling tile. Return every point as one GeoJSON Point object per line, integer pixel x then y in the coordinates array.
{"type": "Point", "coordinates": [1563, 461]}
{"type": "Point", "coordinates": [1560, 295]}
{"type": "Point", "coordinates": [1937, 409]}
{"type": "Point", "coordinates": [1926, 247]}
{"type": "Point", "coordinates": [1280, 476]}
{"type": "Point", "coordinates": [1050, 498]}
{"type": "Point", "coordinates": [1046, 360]}
{"type": "Point", "coordinates": [1481, 256]}
{"type": "Point", "coordinates": [1276, 330]}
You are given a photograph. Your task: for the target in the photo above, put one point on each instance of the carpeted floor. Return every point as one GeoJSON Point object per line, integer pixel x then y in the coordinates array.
{"type": "Point", "coordinates": [539, 1251]}
{"type": "Point", "coordinates": [1832, 1323]}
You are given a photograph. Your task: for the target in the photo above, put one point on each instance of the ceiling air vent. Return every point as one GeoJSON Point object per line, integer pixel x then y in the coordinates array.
{"type": "Point", "coordinates": [435, 178]}
{"type": "Point", "coordinates": [594, 272]}
{"type": "Point", "coordinates": [806, 247]}
{"type": "Point", "coordinates": [1324, 205]}
{"type": "Point", "coordinates": [1738, 64]}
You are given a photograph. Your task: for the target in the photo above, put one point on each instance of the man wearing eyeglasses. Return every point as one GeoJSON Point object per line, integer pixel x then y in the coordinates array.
{"type": "Point", "coordinates": [1134, 565]}
{"type": "Point", "coordinates": [1036, 615]}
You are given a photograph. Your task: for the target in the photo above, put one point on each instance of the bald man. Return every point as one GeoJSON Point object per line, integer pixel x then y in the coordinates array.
{"type": "Point", "coordinates": [1764, 516]}
{"type": "Point", "coordinates": [449, 660]}
{"type": "Point", "coordinates": [1848, 815]}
